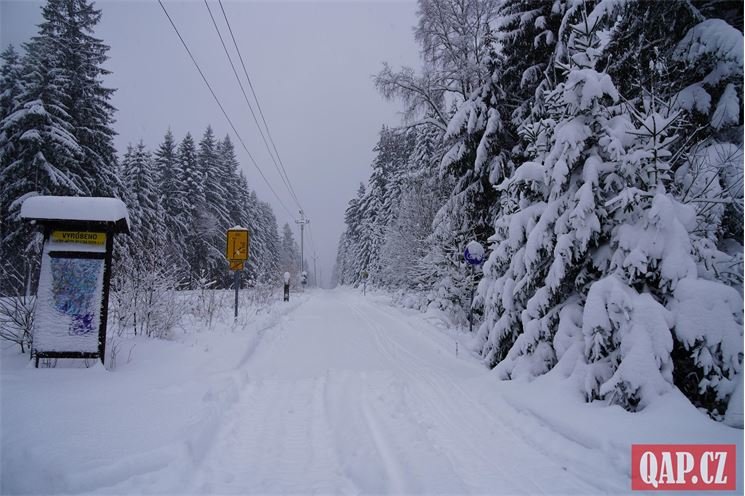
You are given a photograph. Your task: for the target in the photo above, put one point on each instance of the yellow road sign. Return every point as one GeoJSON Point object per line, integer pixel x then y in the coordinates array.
{"type": "Point", "coordinates": [237, 246]}
{"type": "Point", "coordinates": [79, 237]}
{"type": "Point", "coordinates": [236, 265]}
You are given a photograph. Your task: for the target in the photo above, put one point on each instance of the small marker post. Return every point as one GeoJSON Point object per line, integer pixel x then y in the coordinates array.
{"type": "Point", "coordinates": [237, 285]}
{"type": "Point", "coordinates": [474, 256]}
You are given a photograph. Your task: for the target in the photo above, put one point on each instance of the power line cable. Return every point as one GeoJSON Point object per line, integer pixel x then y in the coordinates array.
{"type": "Point", "coordinates": [258, 105]}
{"type": "Point", "coordinates": [250, 107]}
{"type": "Point", "coordinates": [217, 100]}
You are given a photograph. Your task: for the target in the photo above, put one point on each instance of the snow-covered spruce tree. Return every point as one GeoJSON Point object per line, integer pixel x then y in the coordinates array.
{"type": "Point", "coordinates": [80, 55]}
{"type": "Point", "coordinates": [711, 56]}
{"type": "Point", "coordinates": [347, 257]}
{"type": "Point", "coordinates": [526, 33]}
{"type": "Point", "coordinates": [228, 164]}
{"type": "Point", "coordinates": [39, 153]}
{"type": "Point", "coordinates": [406, 242]}
{"type": "Point", "coordinates": [641, 35]}
{"type": "Point", "coordinates": [245, 213]}
{"type": "Point", "coordinates": [191, 195]}
{"type": "Point", "coordinates": [368, 216]}
{"type": "Point", "coordinates": [708, 331]}
{"type": "Point", "coordinates": [214, 220]}
{"type": "Point", "coordinates": [173, 204]}
{"type": "Point", "coordinates": [483, 137]}
{"type": "Point", "coordinates": [379, 205]}
{"type": "Point", "coordinates": [692, 89]}
{"type": "Point", "coordinates": [263, 262]}
{"type": "Point", "coordinates": [139, 175]}
{"type": "Point", "coordinates": [57, 138]}
{"type": "Point", "coordinates": [11, 73]}
{"type": "Point", "coordinates": [654, 266]}
{"type": "Point", "coordinates": [652, 256]}
{"type": "Point", "coordinates": [145, 278]}
{"type": "Point", "coordinates": [230, 211]}
{"type": "Point", "coordinates": [270, 272]}
{"type": "Point", "coordinates": [553, 208]}
{"type": "Point", "coordinates": [472, 166]}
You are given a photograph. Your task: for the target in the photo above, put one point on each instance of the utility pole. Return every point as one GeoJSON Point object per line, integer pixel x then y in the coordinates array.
{"type": "Point", "coordinates": [315, 274]}
{"type": "Point", "coordinates": [303, 220]}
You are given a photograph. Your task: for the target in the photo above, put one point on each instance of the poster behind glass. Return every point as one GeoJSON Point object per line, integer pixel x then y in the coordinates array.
{"type": "Point", "coordinates": [69, 307]}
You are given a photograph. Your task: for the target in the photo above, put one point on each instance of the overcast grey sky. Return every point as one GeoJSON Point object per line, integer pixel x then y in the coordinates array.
{"type": "Point", "coordinates": [310, 64]}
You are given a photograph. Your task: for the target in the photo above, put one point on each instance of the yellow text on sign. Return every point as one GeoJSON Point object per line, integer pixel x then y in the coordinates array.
{"type": "Point", "coordinates": [79, 237]}
{"type": "Point", "coordinates": [237, 247]}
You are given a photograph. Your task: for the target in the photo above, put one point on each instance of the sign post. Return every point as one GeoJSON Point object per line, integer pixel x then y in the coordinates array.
{"type": "Point", "coordinates": [474, 256]}
{"type": "Point", "coordinates": [72, 298]}
{"type": "Point", "coordinates": [287, 286]}
{"type": "Point", "coordinates": [236, 251]}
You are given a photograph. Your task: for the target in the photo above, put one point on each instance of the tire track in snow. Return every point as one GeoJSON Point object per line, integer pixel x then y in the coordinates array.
{"type": "Point", "coordinates": [275, 446]}
{"type": "Point", "coordinates": [361, 459]}
{"type": "Point", "coordinates": [438, 417]}
{"type": "Point", "coordinates": [465, 421]}
{"type": "Point", "coordinates": [432, 458]}
{"type": "Point", "coordinates": [580, 467]}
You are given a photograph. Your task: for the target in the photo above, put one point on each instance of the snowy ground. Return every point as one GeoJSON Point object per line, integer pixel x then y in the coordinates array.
{"type": "Point", "coordinates": [334, 393]}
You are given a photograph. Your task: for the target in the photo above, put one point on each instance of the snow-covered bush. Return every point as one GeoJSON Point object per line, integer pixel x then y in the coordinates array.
{"type": "Point", "coordinates": [16, 311]}
{"type": "Point", "coordinates": [144, 299]}
{"type": "Point", "coordinates": [709, 332]}
{"type": "Point", "coordinates": [627, 345]}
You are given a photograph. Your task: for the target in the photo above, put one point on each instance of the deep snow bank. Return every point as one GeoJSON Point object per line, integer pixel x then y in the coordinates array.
{"type": "Point", "coordinates": [73, 430]}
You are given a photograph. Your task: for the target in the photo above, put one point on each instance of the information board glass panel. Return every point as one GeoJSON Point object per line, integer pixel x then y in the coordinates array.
{"type": "Point", "coordinates": [69, 307]}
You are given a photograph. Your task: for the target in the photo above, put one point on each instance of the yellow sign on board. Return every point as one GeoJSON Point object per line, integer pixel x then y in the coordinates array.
{"type": "Point", "coordinates": [236, 265]}
{"type": "Point", "coordinates": [79, 237]}
{"type": "Point", "coordinates": [237, 247]}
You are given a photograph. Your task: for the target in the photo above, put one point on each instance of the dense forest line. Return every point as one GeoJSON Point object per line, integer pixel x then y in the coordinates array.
{"type": "Point", "coordinates": [595, 148]}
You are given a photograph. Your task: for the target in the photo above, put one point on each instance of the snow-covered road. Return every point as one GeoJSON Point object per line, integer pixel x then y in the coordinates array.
{"type": "Point", "coordinates": [348, 395]}
{"type": "Point", "coordinates": [334, 393]}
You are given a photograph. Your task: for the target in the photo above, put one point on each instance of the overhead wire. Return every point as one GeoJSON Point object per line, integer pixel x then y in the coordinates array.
{"type": "Point", "coordinates": [258, 105]}
{"type": "Point", "coordinates": [219, 104]}
{"type": "Point", "coordinates": [250, 107]}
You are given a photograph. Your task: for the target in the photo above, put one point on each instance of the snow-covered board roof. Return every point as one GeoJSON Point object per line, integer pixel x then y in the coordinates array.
{"type": "Point", "coordinates": [76, 208]}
